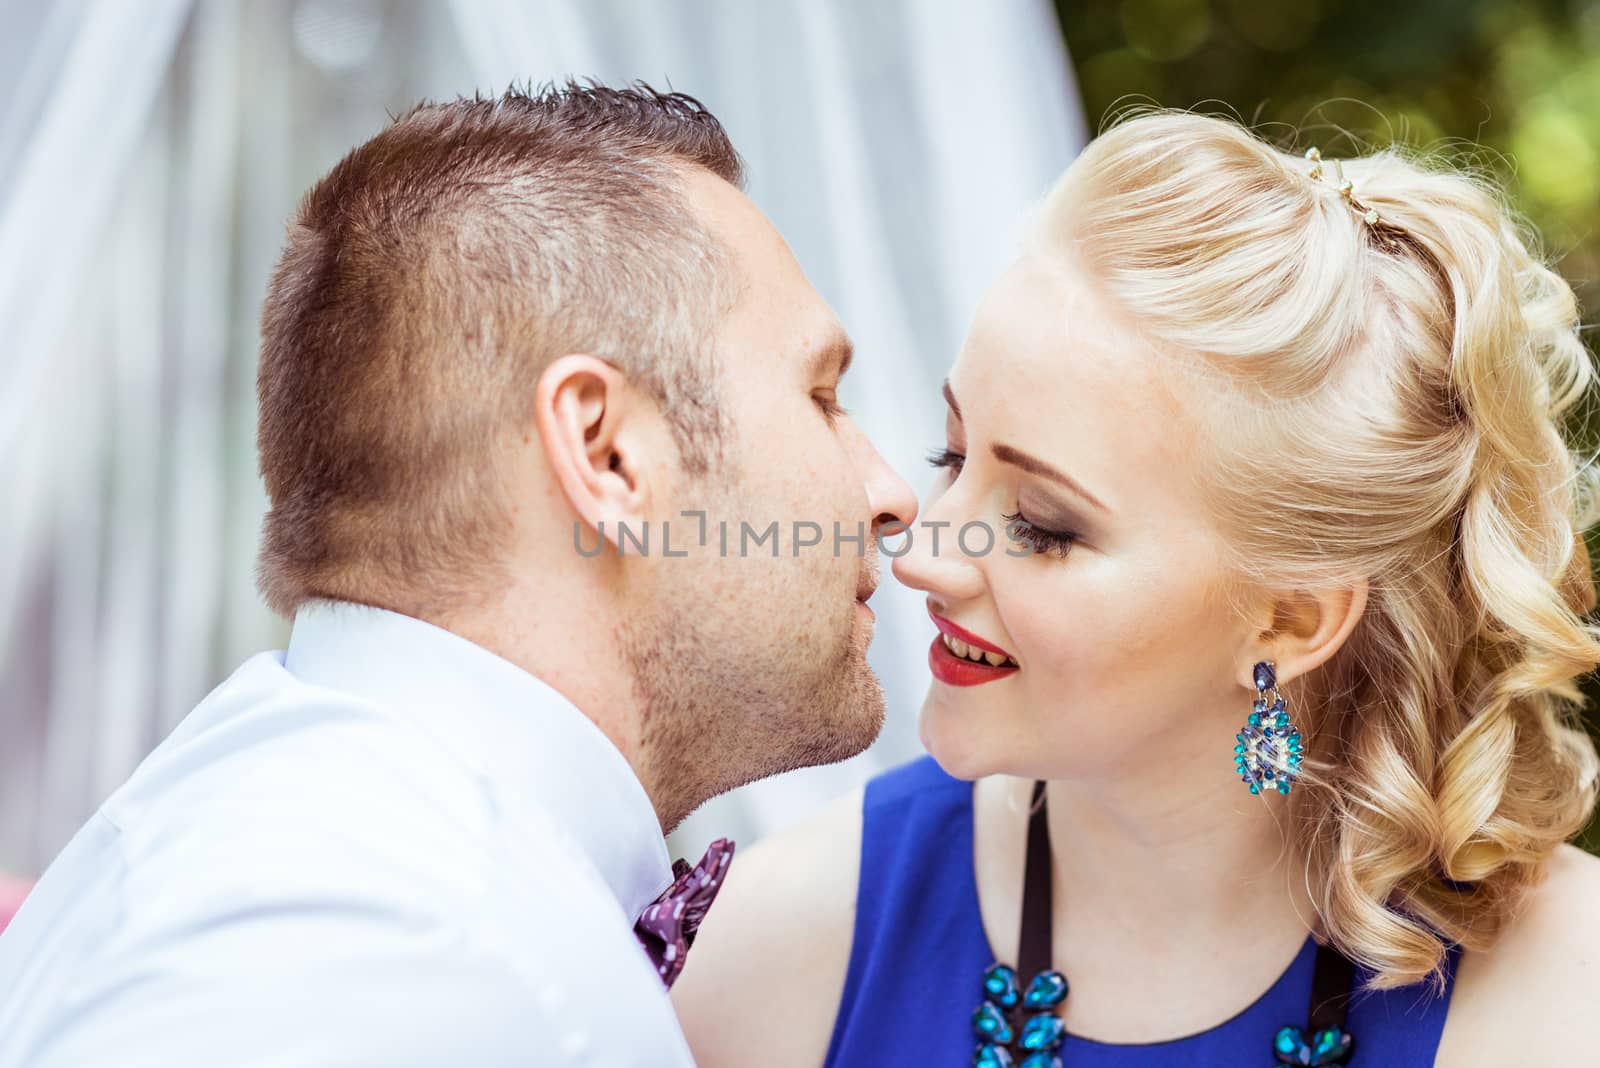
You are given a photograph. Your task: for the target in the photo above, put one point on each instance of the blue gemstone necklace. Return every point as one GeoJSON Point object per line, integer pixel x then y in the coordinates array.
{"type": "Point", "coordinates": [1018, 1026]}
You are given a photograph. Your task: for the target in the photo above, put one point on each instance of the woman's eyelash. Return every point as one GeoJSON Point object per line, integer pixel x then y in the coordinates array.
{"type": "Point", "coordinates": [946, 458]}
{"type": "Point", "coordinates": [1058, 542]}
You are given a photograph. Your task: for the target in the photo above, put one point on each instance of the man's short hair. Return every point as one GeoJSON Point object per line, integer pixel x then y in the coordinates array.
{"type": "Point", "coordinates": [426, 283]}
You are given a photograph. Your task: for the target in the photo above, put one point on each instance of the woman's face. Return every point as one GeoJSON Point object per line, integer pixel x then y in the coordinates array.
{"type": "Point", "coordinates": [1061, 425]}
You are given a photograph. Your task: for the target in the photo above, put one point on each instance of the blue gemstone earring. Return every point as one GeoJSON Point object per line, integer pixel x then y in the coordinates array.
{"type": "Point", "coordinates": [1268, 752]}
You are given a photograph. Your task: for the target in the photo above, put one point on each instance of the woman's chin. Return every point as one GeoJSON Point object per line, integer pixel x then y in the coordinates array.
{"type": "Point", "coordinates": [954, 740]}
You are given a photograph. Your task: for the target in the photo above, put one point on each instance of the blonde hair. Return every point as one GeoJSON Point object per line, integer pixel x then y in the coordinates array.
{"type": "Point", "coordinates": [1393, 414]}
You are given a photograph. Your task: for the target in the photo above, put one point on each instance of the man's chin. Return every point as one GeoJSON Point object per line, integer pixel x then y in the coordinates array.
{"type": "Point", "coordinates": [842, 728]}
{"type": "Point", "coordinates": [713, 726]}
{"type": "Point", "coordinates": [856, 738]}
{"type": "Point", "coordinates": [844, 733]}
{"type": "Point", "coordinates": [860, 720]}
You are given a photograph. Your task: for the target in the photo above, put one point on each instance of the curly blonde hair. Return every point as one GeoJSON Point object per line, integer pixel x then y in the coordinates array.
{"type": "Point", "coordinates": [1390, 411]}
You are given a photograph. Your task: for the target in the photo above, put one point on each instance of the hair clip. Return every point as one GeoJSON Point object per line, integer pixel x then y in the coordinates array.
{"type": "Point", "coordinates": [1386, 232]}
{"type": "Point", "coordinates": [1315, 173]}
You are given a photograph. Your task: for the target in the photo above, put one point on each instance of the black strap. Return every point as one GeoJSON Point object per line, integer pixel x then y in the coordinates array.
{"type": "Point", "coordinates": [1035, 944]}
{"type": "Point", "coordinates": [1331, 977]}
{"type": "Point", "coordinates": [1330, 988]}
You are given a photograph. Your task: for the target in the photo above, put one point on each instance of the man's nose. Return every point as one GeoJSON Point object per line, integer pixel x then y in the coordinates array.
{"type": "Point", "coordinates": [889, 496]}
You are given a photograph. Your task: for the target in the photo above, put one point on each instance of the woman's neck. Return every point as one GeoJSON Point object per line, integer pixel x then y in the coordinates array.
{"type": "Point", "coordinates": [1174, 907]}
{"type": "Point", "coordinates": [1169, 861]}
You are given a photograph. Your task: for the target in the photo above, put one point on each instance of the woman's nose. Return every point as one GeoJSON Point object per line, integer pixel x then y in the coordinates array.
{"type": "Point", "coordinates": [932, 558]}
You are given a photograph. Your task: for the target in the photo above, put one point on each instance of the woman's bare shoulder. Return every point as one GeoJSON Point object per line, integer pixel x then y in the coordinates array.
{"type": "Point", "coordinates": [1531, 998]}
{"type": "Point", "coordinates": [768, 967]}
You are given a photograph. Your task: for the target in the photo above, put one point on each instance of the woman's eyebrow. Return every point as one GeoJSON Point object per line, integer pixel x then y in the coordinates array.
{"type": "Point", "coordinates": [1035, 466]}
{"type": "Point", "coordinates": [1006, 454]}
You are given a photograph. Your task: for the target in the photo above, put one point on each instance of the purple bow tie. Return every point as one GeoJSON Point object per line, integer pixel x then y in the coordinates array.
{"type": "Point", "coordinates": [667, 928]}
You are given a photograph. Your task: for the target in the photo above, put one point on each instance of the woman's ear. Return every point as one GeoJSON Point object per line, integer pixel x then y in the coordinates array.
{"type": "Point", "coordinates": [584, 412]}
{"type": "Point", "coordinates": [1304, 628]}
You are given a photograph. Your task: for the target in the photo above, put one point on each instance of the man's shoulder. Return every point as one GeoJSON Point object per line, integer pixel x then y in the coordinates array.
{"type": "Point", "coordinates": [276, 784]}
{"type": "Point", "coordinates": [302, 845]}
{"type": "Point", "coordinates": [264, 747]}
{"type": "Point", "coordinates": [349, 973]}
{"type": "Point", "coordinates": [272, 791]}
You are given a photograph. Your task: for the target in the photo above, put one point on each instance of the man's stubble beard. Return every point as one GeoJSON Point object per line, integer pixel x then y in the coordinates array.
{"type": "Point", "coordinates": [717, 713]}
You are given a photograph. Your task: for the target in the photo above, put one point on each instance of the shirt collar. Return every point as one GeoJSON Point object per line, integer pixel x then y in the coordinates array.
{"type": "Point", "coordinates": [523, 736]}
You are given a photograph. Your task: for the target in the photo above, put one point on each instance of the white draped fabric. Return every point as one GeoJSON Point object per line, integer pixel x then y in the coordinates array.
{"type": "Point", "coordinates": [149, 154]}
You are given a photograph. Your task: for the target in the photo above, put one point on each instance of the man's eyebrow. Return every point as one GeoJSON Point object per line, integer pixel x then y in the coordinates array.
{"type": "Point", "coordinates": [837, 349]}
{"type": "Point", "coordinates": [1035, 466]}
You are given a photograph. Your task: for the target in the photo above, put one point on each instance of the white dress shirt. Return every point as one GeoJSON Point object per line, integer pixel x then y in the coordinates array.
{"type": "Point", "coordinates": [384, 846]}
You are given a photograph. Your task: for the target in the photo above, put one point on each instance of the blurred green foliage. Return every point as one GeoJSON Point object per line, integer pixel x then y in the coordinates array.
{"type": "Point", "coordinates": [1511, 87]}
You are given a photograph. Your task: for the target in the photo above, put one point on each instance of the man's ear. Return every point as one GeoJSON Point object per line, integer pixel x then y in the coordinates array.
{"type": "Point", "coordinates": [588, 420]}
{"type": "Point", "coordinates": [1302, 629]}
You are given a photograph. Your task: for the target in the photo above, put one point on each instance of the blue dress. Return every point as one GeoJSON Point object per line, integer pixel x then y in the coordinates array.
{"type": "Point", "coordinates": [920, 951]}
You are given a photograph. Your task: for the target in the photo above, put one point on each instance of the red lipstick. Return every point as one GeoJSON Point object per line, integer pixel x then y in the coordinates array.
{"type": "Point", "coordinates": [954, 670]}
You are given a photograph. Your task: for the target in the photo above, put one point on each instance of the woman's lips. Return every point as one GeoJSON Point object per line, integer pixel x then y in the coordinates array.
{"type": "Point", "coordinates": [954, 670]}
{"type": "Point", "coordinates": [947, 627]}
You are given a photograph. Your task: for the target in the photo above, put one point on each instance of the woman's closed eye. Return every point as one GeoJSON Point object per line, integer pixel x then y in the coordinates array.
{"type": "Point", "coordinates": [1039, 539]}
{"type": "Point", "coordinates": [1058, 542]}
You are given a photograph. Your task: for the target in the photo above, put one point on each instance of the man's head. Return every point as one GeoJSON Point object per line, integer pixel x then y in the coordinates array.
{"type": "Point", "coordinates": [427, 281]}
{"type": "Point", "coordinates": [503, 329]}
